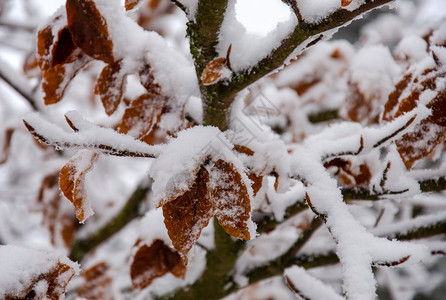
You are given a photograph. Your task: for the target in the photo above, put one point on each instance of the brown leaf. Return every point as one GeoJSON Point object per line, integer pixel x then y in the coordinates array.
{"type": "Point", "coordinates": [51, 285]}
{"type": "Point", "coordinates": [215, 70]}
{"type": "Point", "coordinates": [56, 79]}
{"type": "Point", "coordinates": [187, 215]}
{"type": "Point", "coordinates": [129, 4]}
{"type": "Point", "coordinates": [147, 80]}
{"type": "Point", "coordinates": [230, 199]}
{"type": "Point", "coordinates": [438, 108]}
{"type": "Point", "coordinates": [350, 174]}
{"type": "Point", "coordinates": [6, 145]}
{"type": "Point", "coordinates": [359, 107]}
{"type": "Point", "coordinates": [155, 261]}
{"type": "Point", "coordinates": [345, 2]}
{"type": "Point", "coordinates": [61, 226]}
{"type": "Point", "coordinates": [71, 181]}
{"type": "Point", "coordinates": [244, 150]}
{"type": "Point", "coordinates": [110, 86]}
{"type": "Point", "coordinates": [96, 283]}
{"type": "Point", "coordinates": [256, 182]}
{"type": "Point", "coordinates": [142, 115]}
{"type": "Point", "coordinates": [46, 41]}
{"type": "Point", "coordinates": [420, 142]}
{"type": "Point", "coordinates": [89, 29]}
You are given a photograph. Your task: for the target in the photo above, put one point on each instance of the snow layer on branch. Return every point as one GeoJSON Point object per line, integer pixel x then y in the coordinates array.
{"type": "Point", "coordinates": [248, 49]}
{"type": "Point", "coordinates": [87, 139]}
{"type": "Point", "coordinates": [315, 11]}
{"type": "Point", "coordinates": [357, 249]}
{"type": "Point", "coordinates": [20, 267]}
{"type": "Point", "coordinates": [309, 286]}
{"type": "Point", "coordinates": [191, 6]}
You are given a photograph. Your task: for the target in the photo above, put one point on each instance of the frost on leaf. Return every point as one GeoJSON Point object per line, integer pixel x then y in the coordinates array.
{"type": "Point", "coordinates": [96, 282]}
{"type": "Point", "coordinates": [155, 261]}
{"type": "Point", "coordinates": [34, 274]}
{"type": "Point", "coordinates": [141, 117]}
{"type": "Point", "coordinates": [72, 180]}
{"type": "Point", "coordinates": [89, 29]}
{"type": "Point", "coordinates": [110, 86]}
{"type": "Point", "coordinates": [420, 85]}
{"type": "Point", "coordinates": [62, 226]}
{"type": "Point", "coordinates": [231, 199]}
{"type": "Point", "coordinates": [215, 70]}
{"type": "Point", "coordinates": [187, 215]}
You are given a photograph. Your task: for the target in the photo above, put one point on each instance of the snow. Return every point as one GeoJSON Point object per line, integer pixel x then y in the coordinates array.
{"type": "Point", "coordinates": [88, 139]}
{"type": "Point", "coordinates": [375, 72]}
{"type": "Point", "coordinates": [21, 267]}
{"type": "Point", "coordinates": [308, 286]}
{"type": "Point", "coordinates": [316, 11]}
{"type": "Point", "coordinates": [248, 48]}
{"type": "Point", "coordinates": [191, 6]}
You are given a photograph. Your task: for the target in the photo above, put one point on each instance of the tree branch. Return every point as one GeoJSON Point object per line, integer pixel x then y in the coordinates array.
{"type": "Point", "coordinates": [19, 84]}
{"type": "Point", "coordinates": [215, 282]}
{"type": "Point", "coordinates": [129, 211]}
{"type": "Point", "coordinates": [278, 56]}
{"type": "Point", "coordinates": [277, 266]}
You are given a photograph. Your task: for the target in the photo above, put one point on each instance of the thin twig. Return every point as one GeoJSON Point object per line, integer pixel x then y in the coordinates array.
{"type": "Point", "coordinates": [19, 84]}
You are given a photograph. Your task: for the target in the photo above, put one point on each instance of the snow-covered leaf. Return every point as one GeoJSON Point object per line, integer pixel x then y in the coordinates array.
{"type": "Point", "coordinates": [89, 29]}
{"type": "Point", "coordinates": [71, 181]}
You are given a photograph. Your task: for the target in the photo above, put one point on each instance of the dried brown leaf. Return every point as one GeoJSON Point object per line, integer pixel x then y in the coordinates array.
{"type": "Point", "coordinates": [214, 71]}
{"type": "Point", "coordinates": [345, 2]}
{"type": "Point", "coordinates": [147, 80]}
{"type": "Point", "coordinates": [155, 261]}
{"type": "Point", "coordinates": [141, 117]}
{"type": "Point", "coordinates": [54, 286]}
{"type": "Point", "coordinates": [110, 86]}
{"type": "Point", "coordinates": [350, 174]}
{"type": "Point", "coordinates": [56, 79]}
{"type": "Point", "coordinates": [61, 226]}
{"type": "Point", "coordinates": [420, 142]}
{"type": "Point", "coordinates": [256, 182]}
{"type": "Point", "coordinates": [96, 283]}
{"type": "Point", "coordinates": [6, 145]}
{"type": "Point", "coordinates": [89, 29]}
{"type": "Point", "coordinates": [130, 4]}
{"type": "Point", "coordinates": [187, 215]}
{"type": "Point", "coordinates": [438, 108]}
{"type": "Point", "coordinates": [230, 199]}
{"type": "Point", "coordinates": [71, 182]}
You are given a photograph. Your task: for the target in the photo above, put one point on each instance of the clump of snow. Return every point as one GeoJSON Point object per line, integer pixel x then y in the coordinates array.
{"type": "Point", "coordinates": [412, 48]}
{"type": "Point", "coordinates": [191, 6]}
{"type": "Point", "coordinates": [315, 11]}
{"type": "Point", "coordinates": [374, 71]}
{"type": "Point", "coordinates": [21, 267]}
{"type": "Point", "coordinates": [309, 286]}
{"type": "Point", "coordinates": [89, 138]}
{"type": "Point", "coordinates": [248, 49]}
